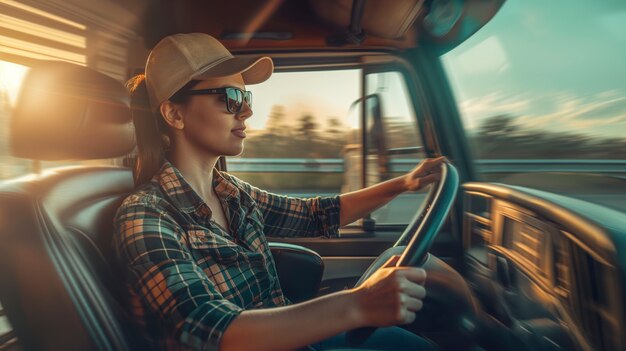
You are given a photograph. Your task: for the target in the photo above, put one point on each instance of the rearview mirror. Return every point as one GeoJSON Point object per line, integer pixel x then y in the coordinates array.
{"type": "Point", "coordinates": [367, 111]}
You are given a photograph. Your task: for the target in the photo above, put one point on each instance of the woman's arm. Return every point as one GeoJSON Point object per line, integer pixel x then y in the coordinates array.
{"type": "Point", "coordinates": [389, 297]}
{"type": "Point", "coordinates": [356, 204]}
{"type": "Point", "coordinates": [291, 327]}
{"type": "Point", "coordinates": [287, 216]}
{"type": "Point", "coordinates": [175, 289]}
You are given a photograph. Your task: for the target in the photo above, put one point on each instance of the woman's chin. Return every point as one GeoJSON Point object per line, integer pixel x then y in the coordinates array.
{"type": "Point", "coordinates": [234, 151]}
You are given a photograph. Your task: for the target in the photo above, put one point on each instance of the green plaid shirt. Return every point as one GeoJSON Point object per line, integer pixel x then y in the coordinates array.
{"type": "Point", "coordinates": [187, 277]}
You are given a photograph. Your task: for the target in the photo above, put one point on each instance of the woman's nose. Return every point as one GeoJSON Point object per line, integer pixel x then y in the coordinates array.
{"type": "Point", "coordinates": [245, 113]}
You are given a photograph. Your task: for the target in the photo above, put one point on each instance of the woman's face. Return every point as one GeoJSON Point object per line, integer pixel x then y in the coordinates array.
{"type": "Point", "coordinates": [208, 126]}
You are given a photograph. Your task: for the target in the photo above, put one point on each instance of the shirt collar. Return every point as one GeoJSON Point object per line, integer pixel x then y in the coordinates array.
{"type": "Point", "coordinates": [182, 194]}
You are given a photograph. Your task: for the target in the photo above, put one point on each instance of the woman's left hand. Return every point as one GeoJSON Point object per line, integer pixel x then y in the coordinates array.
{"type": "Point", "coordinates": [356, 204]}
{"type": "Point", "coordinates": [426, 172]}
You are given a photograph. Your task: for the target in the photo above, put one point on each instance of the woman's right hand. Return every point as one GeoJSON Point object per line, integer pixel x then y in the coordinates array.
{"type": "Point", "coordinates": [391, 296]}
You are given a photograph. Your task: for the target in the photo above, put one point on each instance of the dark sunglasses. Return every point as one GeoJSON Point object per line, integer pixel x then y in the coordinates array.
{"type": "Point", "coordinates": [234, 97]}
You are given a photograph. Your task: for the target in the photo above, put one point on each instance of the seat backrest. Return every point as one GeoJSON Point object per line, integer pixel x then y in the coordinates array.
{"type": "Point", "coordinates": [57, 284]}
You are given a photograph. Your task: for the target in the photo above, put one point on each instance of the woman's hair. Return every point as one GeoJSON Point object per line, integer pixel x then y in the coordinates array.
{"type": "Point", "coordinates": [151, 130]}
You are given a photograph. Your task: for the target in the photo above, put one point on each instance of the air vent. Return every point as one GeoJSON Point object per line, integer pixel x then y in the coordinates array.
{"type": "Point", "coordinates": [478, 232]}
{"type": "Point", "coordinates": [526, 241]}
{"type": "Point", "coordinates": [480, 229]}
{"type": "Point", "coordinates": [595, 304]}
{"type": "Point", "coordinates": [562, 264]}
{"type": "Point", "coordinates": [478, 236]}
{"type": "Point", "coordinates": [479, 204]}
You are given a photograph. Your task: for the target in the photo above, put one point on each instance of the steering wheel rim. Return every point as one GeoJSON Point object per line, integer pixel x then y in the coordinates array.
{"type": "Point", "coordinates": [420, 234]}
{"type": "Point", "coordinates": [426, 224]}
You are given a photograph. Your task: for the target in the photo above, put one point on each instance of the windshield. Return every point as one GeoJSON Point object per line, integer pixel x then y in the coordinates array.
{"type": "Point", "coordinates": [541, 93]}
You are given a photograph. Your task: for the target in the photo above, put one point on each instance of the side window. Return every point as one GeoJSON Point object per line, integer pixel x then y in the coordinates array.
{"type": "Point", "coordinates": [306, 135]}
{"type": "Point", "coordinates": [43, 31]}
{"type": "Point", "coordinates": [540, 92]}
{"type": "Point", "coordinates": [299, 132]}
{"type": "Point", "coordinates": [394, 146]}
{"type": "Point", "coordinates": [11, 76]}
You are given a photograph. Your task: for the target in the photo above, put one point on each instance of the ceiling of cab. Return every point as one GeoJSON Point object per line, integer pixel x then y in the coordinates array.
{"type": "Point", "coordinates": [295, 24]}
{"type": "Point", "coordinates": [244, 24]}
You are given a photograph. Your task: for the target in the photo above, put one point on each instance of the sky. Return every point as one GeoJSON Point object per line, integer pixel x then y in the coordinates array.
{"type": "Point", "coordinates": [306, 93]}
{"type": "Point", "coordinates": [554, 65]}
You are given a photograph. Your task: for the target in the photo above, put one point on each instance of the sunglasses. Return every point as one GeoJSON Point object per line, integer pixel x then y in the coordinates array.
{"type": "Point", "coordinates": [234, 97]}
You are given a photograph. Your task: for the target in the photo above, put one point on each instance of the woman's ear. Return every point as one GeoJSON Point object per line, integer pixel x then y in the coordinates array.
{"type": "Point", "coordinates": [172, 115]}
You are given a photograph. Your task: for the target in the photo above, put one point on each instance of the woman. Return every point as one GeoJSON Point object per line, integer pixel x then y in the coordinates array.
{"type": "Point", "coordinates": [192, 240]}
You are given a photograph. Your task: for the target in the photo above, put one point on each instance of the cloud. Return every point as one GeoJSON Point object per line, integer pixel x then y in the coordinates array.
{"type": "Point", "coordinates": [601, 114]}
{"type": "Point", "coordinates": [477, 109]}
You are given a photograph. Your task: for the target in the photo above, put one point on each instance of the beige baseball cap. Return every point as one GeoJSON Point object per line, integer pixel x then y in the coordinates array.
{"type": "Point", "coordinates": [177, 59]}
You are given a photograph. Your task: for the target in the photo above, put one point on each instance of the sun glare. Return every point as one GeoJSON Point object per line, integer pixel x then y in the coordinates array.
{"type": "Point", "coordinates": [11, 76]}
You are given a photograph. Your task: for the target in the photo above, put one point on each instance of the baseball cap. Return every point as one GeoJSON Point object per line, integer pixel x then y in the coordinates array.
{"type": "Point", "coordinates": [177, 59]}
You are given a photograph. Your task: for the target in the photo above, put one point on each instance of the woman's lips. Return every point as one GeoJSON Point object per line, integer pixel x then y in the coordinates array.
{"type": "Point", "coordinates": [239, 133]}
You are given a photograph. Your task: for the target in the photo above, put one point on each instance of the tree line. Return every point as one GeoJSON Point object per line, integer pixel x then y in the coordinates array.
{"type": "Point", "coordinates": [497, 137]}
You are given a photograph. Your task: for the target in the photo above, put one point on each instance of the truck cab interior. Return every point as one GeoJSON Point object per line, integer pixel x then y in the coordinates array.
{"type": "Point", "coordinates": [511, 265]}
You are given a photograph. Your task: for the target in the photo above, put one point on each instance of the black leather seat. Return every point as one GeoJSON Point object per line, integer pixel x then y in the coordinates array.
{"type": "Point", "coordinates": [57, 285]}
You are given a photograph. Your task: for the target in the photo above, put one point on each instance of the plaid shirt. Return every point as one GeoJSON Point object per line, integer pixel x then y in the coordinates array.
{"type": "Point", "coordinates": [187, 277]}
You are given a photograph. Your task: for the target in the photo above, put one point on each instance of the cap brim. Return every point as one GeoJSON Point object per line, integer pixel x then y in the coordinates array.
{"type": "Point", "coordinates": [254, 70]}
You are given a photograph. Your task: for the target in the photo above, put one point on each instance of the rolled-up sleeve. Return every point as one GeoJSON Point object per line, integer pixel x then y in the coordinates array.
{"type": "Point", "coordinates": [286, 216]}
{"type": "Point", "coordinates": [167, 280]}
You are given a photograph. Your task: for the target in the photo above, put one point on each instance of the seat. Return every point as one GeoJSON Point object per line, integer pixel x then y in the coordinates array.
{"type": "Point", "coordinates": [299, 270]}
{"type": "Point", "coordinates": [58, 284]}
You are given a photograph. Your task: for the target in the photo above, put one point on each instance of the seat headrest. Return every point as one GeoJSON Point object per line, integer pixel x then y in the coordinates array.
{"type": "Point", "coordinates": [70, 112]}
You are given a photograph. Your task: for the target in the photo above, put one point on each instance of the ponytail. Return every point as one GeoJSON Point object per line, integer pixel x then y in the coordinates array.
{"type": "Point", "coordinates": [150, 132]}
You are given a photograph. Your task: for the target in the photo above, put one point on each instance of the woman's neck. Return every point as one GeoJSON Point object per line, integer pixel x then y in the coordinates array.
{"type": "Point", "coordinates": [196, 168]}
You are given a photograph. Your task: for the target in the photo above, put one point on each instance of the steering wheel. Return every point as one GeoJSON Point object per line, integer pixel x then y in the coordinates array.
{"type": "Point", "coordinates": [418, 236]}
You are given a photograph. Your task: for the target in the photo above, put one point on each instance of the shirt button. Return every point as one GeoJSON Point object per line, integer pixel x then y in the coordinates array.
{"type": "Point", "coordinates": [205, 211]}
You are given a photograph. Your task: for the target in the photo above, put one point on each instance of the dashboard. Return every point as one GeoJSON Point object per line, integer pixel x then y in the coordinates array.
{"type": "Point", "coordinates": [546, 266]}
